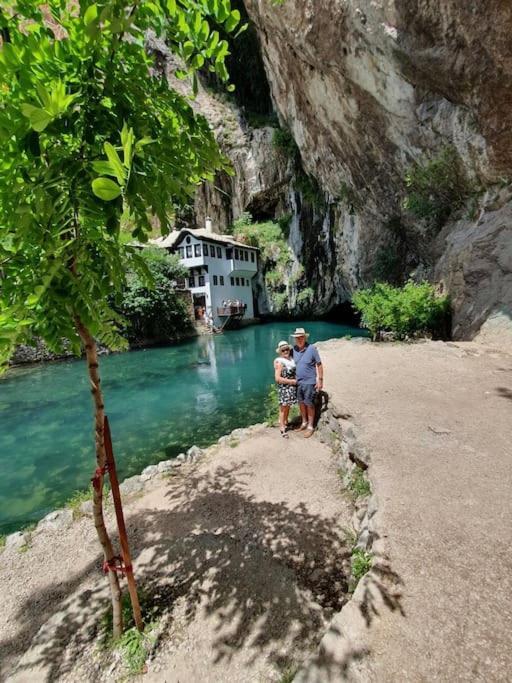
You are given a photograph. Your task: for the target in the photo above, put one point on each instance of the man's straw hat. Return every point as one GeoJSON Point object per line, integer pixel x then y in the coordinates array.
{"type": "Point", "coordinates": [300, 332]}
{"type": "Point", "coordinates": [282, 345]}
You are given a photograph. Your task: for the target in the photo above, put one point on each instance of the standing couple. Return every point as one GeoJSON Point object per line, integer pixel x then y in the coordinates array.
{"type": "Point", "coordinates": [299, 376]}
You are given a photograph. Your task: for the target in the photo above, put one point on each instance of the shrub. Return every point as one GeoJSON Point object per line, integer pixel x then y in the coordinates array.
{"type": "Point", "coordinates": [76, 499]}
{"type": "Point", "coordinates": [275, 254]}
{"type": "Point", "coordinates": [273, 279]}
{"type": "Point", "coordinates": [310, 190]}
{"type": "Point", "coordinates": [305, 297]}
{"type": "Point", "coordinates": [280, 301]}
{"type": "Point", "coordinates": [283, 140]}
{"type": "Point", "coordinates": [160, 313]}
{"type": "Point", "coordinates": [436, 187]}
{"type": "Point", "coordinates": [361, 565]}
{"type": "Point", "coordinates": [407, 311]}
{"type": "Point", "coordinates": [358, 484]}
{"type": "Point", "coordinates": [348, 196]}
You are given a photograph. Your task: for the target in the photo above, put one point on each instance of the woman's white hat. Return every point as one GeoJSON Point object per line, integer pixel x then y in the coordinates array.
{"type": "Point", "coordinates": [281, 346]}
{"type": "Point", "coordinates": [300, 332]}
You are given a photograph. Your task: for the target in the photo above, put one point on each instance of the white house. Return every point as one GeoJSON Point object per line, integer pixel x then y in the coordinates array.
{"type": "Point", "coordinates": [220, 271]}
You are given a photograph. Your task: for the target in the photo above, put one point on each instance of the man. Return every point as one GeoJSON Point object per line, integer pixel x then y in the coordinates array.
{"type": "Point", "coordinates": [310, 378]}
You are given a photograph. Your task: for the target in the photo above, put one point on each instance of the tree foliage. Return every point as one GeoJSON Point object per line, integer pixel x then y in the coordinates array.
{"type": "Point", "coordinates": [406, 311]}
{"type": "Point", "coordinates": [91, 134]}
{"type": "Point", "coordinates": [157, 312]}
{"type": "Point", "coordinates": [436, 187]}
{"type": "Point", "coordinates": [276, 257]}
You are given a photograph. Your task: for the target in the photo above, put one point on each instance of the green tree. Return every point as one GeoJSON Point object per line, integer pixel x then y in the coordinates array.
{"type": "Point", "coordinates": [91, 134]}
{"type": "Point", "coordinates": [156, 313]}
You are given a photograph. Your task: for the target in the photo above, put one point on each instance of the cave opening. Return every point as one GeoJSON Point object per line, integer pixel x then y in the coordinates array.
{"type": "Point", "coordinates": [343, 313]}
{"type": "Point", "coordinates": [247, 73]}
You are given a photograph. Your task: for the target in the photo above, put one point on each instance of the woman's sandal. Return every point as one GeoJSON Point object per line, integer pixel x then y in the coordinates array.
{"type": "Point", "coordinates": [284, 434]}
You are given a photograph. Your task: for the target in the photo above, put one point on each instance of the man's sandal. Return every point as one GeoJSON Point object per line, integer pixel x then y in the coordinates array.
{"type": "Point", "coordinates": [309, 432]}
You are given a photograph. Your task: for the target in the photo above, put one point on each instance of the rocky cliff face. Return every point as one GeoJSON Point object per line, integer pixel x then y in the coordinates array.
{"type": "Point", "coordinates": [368, 89]}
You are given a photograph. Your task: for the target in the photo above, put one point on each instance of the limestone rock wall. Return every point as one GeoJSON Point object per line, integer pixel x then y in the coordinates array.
{"type": "Point", "coordinates": [367, 87]}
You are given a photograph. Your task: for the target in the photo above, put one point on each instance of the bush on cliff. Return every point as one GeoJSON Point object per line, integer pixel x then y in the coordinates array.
{"type": "Point", "coordinates": [436, 187]}
{"type": "Point", "coordinates": [159, 313]}
{"type": "Point", "coordinates": [408, 311]}
{"type": "Point", "coordinates": [275, 255]}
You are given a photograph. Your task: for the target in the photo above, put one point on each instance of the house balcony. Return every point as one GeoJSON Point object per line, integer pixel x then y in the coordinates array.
{"type": "Point", "coordinates": [231, 311]}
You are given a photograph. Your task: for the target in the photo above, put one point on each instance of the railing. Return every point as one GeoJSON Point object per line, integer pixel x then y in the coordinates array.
{"type": "Point", "coordinates": [231, 310]}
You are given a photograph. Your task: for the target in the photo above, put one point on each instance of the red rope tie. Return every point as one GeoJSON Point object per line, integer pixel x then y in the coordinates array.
{"type": "Point", "coordinates": [98, 473]}
{"type": "Point", "coordinates": [116, 565]}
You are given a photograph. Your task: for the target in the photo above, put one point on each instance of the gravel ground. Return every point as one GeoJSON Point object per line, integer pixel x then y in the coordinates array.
{"type": "Point", "coordinates": [242, 554]}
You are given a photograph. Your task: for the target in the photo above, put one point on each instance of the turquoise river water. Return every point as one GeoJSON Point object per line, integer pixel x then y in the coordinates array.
{"type": "Point", "coordinates": [159, 401]}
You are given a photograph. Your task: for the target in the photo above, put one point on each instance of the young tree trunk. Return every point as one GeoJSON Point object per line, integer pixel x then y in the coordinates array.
{"type": "Point", "coordinates": [91, 353]}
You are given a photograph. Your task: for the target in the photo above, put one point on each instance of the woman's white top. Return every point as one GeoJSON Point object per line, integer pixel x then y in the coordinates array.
{"type": "Point", "coordinates": [289, 363]}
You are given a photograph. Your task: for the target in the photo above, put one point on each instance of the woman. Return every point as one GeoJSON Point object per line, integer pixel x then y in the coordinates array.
{"type": "Point", "coordinates": [284, 367]}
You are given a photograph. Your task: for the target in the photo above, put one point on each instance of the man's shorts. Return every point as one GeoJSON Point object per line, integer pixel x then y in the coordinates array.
{"type": "Point", "coordinates": [306, 394]}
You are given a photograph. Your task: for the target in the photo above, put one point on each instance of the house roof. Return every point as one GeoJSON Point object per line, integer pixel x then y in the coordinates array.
{"type": "Point", "coordinates": [174, 237]}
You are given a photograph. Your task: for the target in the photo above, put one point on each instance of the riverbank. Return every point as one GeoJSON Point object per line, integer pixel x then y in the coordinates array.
{"type": "Point", "coordinates": [251, 548]}
{"type": "Point", "coordinates": [241, 548]}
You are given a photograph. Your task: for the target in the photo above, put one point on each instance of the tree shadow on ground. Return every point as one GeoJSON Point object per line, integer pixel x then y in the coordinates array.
{"type": "Point", "coordinates": [36, 611]}
{"type": "Point", "coordinates": [382, 586]}
{"type": "Point", "coordinates": [268, 576]}
{"type": "Point", "coordinates": [267, 573]}
{"type": "Point", "coordinates": [504, 392]}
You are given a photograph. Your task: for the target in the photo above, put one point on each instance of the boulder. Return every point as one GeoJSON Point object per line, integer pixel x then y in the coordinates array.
{"type": "Point", "coordinates": [86, 508]}
{"type": "Point", "coordinates": [194, 452]}
{"type": "Point", "coordinates": [16, 540]}
{"type": "Point", "coordinates": [240, 433]}
{"type": "Point", "coordinates": [149, 472]}
{"type": "Point", "coordinates": [56, 520]}
{"type": "Point", "coordinates": [131, 485]}
{"type": "Point", "coordinates": [165, 465]}
{"type": "Point", "coordinates": [181, 458]}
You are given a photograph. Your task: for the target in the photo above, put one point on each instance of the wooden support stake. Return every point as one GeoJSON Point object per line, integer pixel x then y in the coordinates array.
{"type": "Point", "coordinates": [123, 537]}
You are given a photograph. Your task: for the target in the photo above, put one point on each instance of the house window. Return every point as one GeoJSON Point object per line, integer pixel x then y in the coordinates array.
{"type": "Point", "coordinates": [246, 255]}
{"type": "Point", "coordinates": [247, 283]}
{"type": "Point", "coordinates": [181, 252]}
{"type": "Point", "coordinates": [252, 256]}
{"type": "Point", "coordinates": [219, 252]}
{"type": "Point", "coordinates": [201, 281]}
{"type": "Point", "coordinates": [221, 278]}
{"type": "Point", "coordinates": [229, 253]}
{"type": "Point", "coordinates": [205, 250]}
{"type": "Point", "coordinates": [188, 240]}
{"type": "Point", "coordinates": [212, 250]}
{"type": "Point", "coordinates": [237, 280]}
{"type": "Point", "coordinates": [215, 280]}
{"type": "Point", "coordinates": [191, 281]}
{"type": "Point", "coordinates": [197, 250]}
{"type": "Point", "coordinates": [232, 281]}
{"type": "Point", "coordinates": [236, 254]}
{"type": "Point", "coordinates": [189, 251]}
